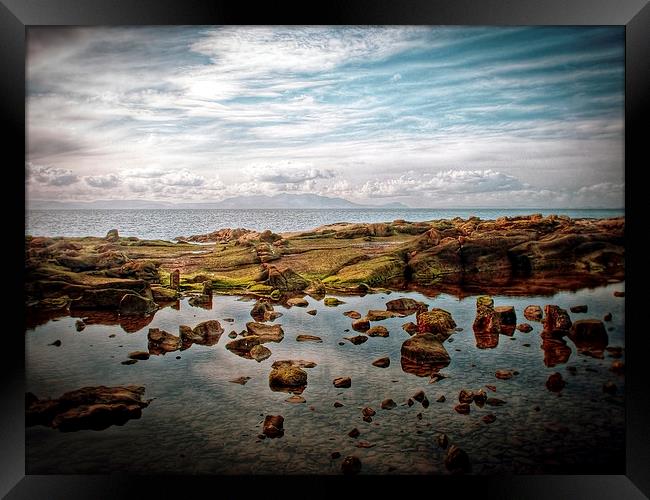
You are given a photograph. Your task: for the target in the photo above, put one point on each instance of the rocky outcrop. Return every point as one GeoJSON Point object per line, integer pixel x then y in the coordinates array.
{"type": "Point", "coordinates": [556, 318]}
{"type": "Point", "coordinates": [87, 408]}
{"type": "Point", "coordinates": [136, 305]}
{"type": "Point", "coordinates": [285, 279]}
{"type": "Point", "coordinates": [533, 313]}
{"type": "Point", "coordinates": [486, 324]}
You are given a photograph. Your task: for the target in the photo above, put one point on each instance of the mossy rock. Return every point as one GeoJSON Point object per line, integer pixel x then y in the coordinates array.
{"type": "Point", "coordinates": [372, 272]}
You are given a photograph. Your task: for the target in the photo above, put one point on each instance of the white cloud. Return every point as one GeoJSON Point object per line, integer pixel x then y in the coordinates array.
{"type": "Point", "coordinates": [51, 176]}
{"type": "Point", "coordinates": [103, 181]}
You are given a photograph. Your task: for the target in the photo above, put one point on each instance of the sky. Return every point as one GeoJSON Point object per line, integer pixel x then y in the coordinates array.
{"type": "Point", "coordinates": [440, 117]}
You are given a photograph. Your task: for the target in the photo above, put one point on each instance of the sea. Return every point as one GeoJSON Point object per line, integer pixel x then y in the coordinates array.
{"type": "Point", "coordinates": [168, 224]}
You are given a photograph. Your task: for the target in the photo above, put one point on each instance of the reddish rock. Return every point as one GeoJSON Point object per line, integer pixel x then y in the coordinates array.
{"type": "Point", "coordinates": [555, 382]}
{"type": "Point", "coordinates": [161, 342]}
{"type": "Point", "coordinates": [524, 327]}
{"type": "Point", "coordinates": [368, 412]}
{"type": "Point", "coordinates": [607, 317]}
{"type": "Point", "coordinates": [297, 302]}
{"type": "Point", "coordinates": [491, 387]}
{"type": "Point", "coordinates": [457, 461]}
{"type": "Point", "coordinates": [462, 408]}
{"type": "Point", "coordinates": [480, 397]}
{"type": "Point", "coordinates": [259, 353]}
{"type": "Point", "coordinates": [619, 294]}
{"type": "Point", "coordinates": [308, 338]}
{"type": "Point", "coordinates": [378, 315]}
{"type": "Point", "coordinates": [442, 440]}
{"type": "Point", "coordinates": [437, 322]}
{"type": "Point", "coordinates": [388, 404]}
{"type": "Point", "coordinates": [139, 355]}
{"type": "Point", "coordinates": [352, 314]}
{"type": "Point", "coordinates": [337, 404]}
{"type": "Point", "coordinates": [240, 380]}
{"type": "Point", "coordinates": [273, 426]}
{"type": "Point", "coordinates": [410, 328]}
{"type": "Point", "coordinates": [406, 306]}
{"type": "Point", "coordinates": [361, 325]}
{"type": "Point", "coordinates": [351, 465]}
{"type": "Point", "coordinates": [556, 351]}
{"type": "Point", "coordinates": [466, 396]}
{"type": "Point", "coordinates": [503, 374]}
{"type": "Point", "coordinates": [507, 319]}
{"type": "Point", "coordinates": [377, 331]}
{"type": "Point", "coordinates": [265, 333]}
{"type": "Point", "coordinates": [342, 382]}
{"type": "Point", "coordinates": [295, 399]}
{"type": "Point", "coordinates": [579, 309]}
{"type": "Point", "coordinates": [312, 312]}
{"type": "Point", "coordinates": [357, 339]}
{"type": "Point", "coordinates": [354, 433]}
{"type": "Point", "coordinates": [287, 378]}
{"type": "Point", "coordinates": [533, 313]}
{"type": "Point", "coordinates": [423, 354]}
{"type": "Point", "coordinates": [441, 399]}
{"type": "Point", "coordinates": [494, 402]}
{"type": "Point", "coordinates": [556, 318]}
{"type": "Point", "coordinates": [489, 418]}
{"type": "Point", "coordinates": [381, 362]}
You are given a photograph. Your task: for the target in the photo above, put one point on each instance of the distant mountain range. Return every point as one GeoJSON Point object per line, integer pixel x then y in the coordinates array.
{"type": "Point", "coordinates": [283, 200]}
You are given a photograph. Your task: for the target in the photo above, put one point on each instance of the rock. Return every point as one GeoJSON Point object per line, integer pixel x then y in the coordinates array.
{"type": "Point", "coordinates": [388, 404]}
{"type": "Point", "coordinates": [335, 455]}
{"type": "Point", "coordinates": [381, 362]}
{"type": "Point", "coordinates": [259, 353]}
{"type": "Point", "coordinates": [161, 342]}
{"type": "Point", "coordinates": [555, 382]}
{"type": "Point", "coordinates": [358, 339]}
{"type": "Point", "coordinates": [589, 336]}
{"type": "Point", "coordinates": [607, 317]}
{"type": "Point", "coordinates": [287, 377]}
{"type": "Point", "coordinates": [139, 355]}
{"type": "Point", "coordinates": [87, 408]}
{"type": "Point", "coordinates": [308, 338]}
{"type": "Point", "coordinates": [466, 396]}
{"type": "Point", "coordinates": [533, 313]}
{"type": "Point", "coordinates": [489, 418]}
{"type": "Point", "coordinates": [425, 402]}
{"type": "Point", "coordinates": [437, 322]}
{"type": "Point", "coordinates": [377, 315]}
{"type": "Point", "coordinates": [240, 380]}
{"type": "Point", "coordinates": [273, 426]}
{"type": "Point", "coordinates": [337, 404]}
{"type": "Point", "coordinates": [295, 399]}
{"type": "Point", "coordinates": [352, 314]}
{"type": "Point", "coordinates": [480, 397]}
{"type": "Point", "coordinates": [410, 328]}
{"type": "Point", "coordinates": [354, 433]}
{"type": "Point", "coordinates": [368, 412]}
{"type": "Point", "coordinates": [406, 306]}
{"type": "Point", "coordinates": [232, 334]}
{"type": "Point", "coordinates": [524, 327]}
{"type": "Point", "coordinates": [503, 374]}
{"type": "Point", "coordinates": [578, 309]}
{"type": "Point", "coordinates": [351, 465]}
{"type": "Point", "coordinates": [342, 382]}
{"type": "Point", "coordinates": [265, 333]}
{"type": "Point", "coordinates": [442, 440]}
{"type": "Point", "coordinates": [457, 461]}
{"type": "Point", "coordinates": [619, 294]}
{"type": "Point", "coordinates": [263, 311]}
{"type": "Point", "coordinates": [419, 396]}
{"type": "Point", "coordinates": [205, 333]}
{"type": "Point", "coordinates": [56, 343]}
{"type": "Point", "coordinates": [493, 388]}
{"type": "Point", "coordinates": [361, 324]}
{"type": "Point", "coordinates": [556, 318]}
{"type": "Point", "coordinates": [112, 236]}
{"type": "Point", "coordinates": [609, 388]}
{"type": "Point", "coordinates": [507, 319]}
{"type": "Point", "coordinates": [207, 287]}
{"type": "Point", "coordinates": [79, 325]}
{"type": "Point", "coordinates": [377, 331]}
{"type": "Point", "coordinates": [486, 324]}
{"type": "Point", "coordinates": [332, 301]}
{"type": "Point", "coordinates": [312, 312]}
{"type": "Point", "coordinates": [409, 402]}
{"type": "Point", "coordinates": [441, 399]}
{"type": "Point", "coordinates": [300, 363]}
{"type": "Point", "coordinates": [617, 367]}
{"type": "Point", "coordinates": [494, 402]}
{"type": "Point", "coordinates": [243, 346]}
{"type": "Point", "coordinates": [203, 301]}
{"type": "Point", "coordinates": [462, 408]}
{"type": "Point", "coordinates": [426, 351]}
{"type": "Point", "coordinates": [297, 302]}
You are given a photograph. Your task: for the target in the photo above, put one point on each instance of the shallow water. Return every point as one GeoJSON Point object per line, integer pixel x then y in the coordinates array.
{"type": "Point", "coordinates": [200, 423]}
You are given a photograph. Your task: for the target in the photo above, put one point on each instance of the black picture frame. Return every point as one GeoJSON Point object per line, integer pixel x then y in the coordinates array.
{"type": "Point", "coordinates": [16, 15]}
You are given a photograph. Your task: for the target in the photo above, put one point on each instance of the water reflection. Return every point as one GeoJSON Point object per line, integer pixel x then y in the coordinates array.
{"type": "Point", "coordinates": [556, 351]}
{"type": "Point", "coordinates": [486, 339]}
{"type": "Point", "coordinates": [130, 324]}
{"type": "Point", "coordinates": [421, 368]}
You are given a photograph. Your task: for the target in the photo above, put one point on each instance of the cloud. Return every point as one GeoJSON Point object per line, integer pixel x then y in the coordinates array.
{"type": "Point", "coordinates": [447, 182]}
{"type": "Point", "coordinates": [287, 173]}
{"type": "Point", "coordinates": [103, 181]}
{"type": "Point", "coordinates": [51, 176]}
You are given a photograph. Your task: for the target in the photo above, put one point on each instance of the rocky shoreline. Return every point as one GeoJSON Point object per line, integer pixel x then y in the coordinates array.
{"type": "Point", "coordinates": [130, 278]}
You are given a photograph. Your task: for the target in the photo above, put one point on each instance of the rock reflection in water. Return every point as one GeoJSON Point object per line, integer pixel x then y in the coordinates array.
{"type": "Point", "coordinates": [130, 324]}
{"type": "Point", "coordinates": [421, 368]}
{"type": "Point", "coordinates": [556, 351]}
{"type": "Point", "coordinates": [486, 340]}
